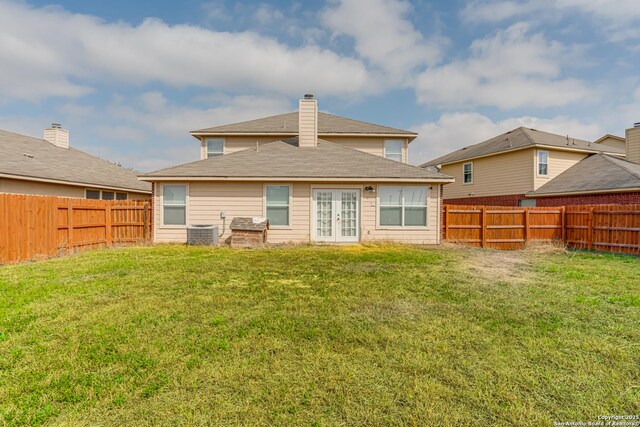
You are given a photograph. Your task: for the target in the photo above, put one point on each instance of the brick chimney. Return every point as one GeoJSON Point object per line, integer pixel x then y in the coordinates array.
{"type": "Point", "coordinates": [57, 136]}
{"type": "Point", "coordinates": [308, 122]}
{"type": "Point", "coordinates": [632, 137]}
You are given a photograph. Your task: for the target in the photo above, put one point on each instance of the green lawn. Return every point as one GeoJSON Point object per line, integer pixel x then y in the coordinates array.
{"type": "Point", "coordinates": [358, 335]}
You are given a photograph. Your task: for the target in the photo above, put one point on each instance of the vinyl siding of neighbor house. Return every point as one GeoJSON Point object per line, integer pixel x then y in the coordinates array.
{"type": "Point", "coordinates": [206, 200]}
{"type": "Point", "coordinates": [559, 161]}
{"type": "Point", "coordinates": [371, 145]}
{"type": "Point", "coordinates": [18, 186]}
{"type": "Point", "coordinates": [633, 145]}
{"type": "Point", "coordinates": [508, 173]}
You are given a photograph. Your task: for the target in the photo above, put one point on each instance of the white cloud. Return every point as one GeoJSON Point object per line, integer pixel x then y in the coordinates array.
{"type": "Point", "coordinates": [456, 130]}
{"type": "Point", "coordinates": [384, 35]}
{"type": "Point", "coordinates": [50, 58]}
{"type": "Point", "coordinates": [496, 11]}
{"type": "Point", "coordinates": [511, 69]}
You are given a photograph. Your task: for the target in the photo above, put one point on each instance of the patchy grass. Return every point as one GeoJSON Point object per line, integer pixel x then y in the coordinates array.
{"type": "Point", "coordinates": [357, 335]}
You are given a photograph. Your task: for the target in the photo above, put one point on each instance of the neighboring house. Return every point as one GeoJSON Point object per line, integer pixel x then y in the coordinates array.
{"type": "Point", "coordinates": [315, 176]}
{"type": "Point", "coordinates": [598, 179]}
{"type": "Point", "coordinates": [502, 170]}
{"type": "Point", "coordinates": [51, 167]}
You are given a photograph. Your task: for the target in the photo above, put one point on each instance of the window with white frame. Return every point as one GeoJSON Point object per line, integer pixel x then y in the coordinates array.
{"type": "Point", "coordinates": [467, 173]}
{"type": "Point", "coordinates": [108, 195]}
{"type": "Point", "coordinates": [92, 194]}
{"type": "Point", "coordinates": [277, 205]}
{"type": "Point", "coordinates": [104, 195]}
{"type": "Point", "coordinates": [174, 204]}
{"type": "Point", "coordinates": [543, 163]}
{"type": "Point", "coordinates": [215, 147]}
{"type": "Point", "coordinates": [393, 149]}
{"type": "Point", "coordinates": [404, 206]}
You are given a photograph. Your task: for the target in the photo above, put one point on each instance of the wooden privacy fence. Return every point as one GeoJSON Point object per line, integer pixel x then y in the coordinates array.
{"type": "Point", "coordinates": [613, 228]}
{"type": "Point", "coordinates": [44, 226]}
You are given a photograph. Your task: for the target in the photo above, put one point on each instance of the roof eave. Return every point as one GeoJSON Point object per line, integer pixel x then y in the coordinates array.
{"type": "Point", "coordinates": [304, 179]}
{"type": "Point", "coordinates": [411, 136]}
{"type": "Point", "coordinates": [577, 193]}
{"type": "Point", "coordinates": [73, 183]}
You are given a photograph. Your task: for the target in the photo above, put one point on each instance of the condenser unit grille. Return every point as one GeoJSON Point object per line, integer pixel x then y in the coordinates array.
{"type": "Point", "coordinates": [202, 235]}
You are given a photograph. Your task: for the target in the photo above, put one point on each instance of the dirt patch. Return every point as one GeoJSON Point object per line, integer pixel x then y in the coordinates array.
{"type": "Point", "coordinates": [493, 265]}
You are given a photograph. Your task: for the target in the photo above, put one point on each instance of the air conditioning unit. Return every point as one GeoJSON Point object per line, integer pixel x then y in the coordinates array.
{"type": "Point", "coordinates": [202, 235]}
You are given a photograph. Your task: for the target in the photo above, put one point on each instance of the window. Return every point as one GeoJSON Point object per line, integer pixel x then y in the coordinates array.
{"type": "Point", "coordinates": [403, 206]}
{"type": "Point", "coordinates": [467, 173]}
{"type": "Point", "coordinates": [277, 205]}
{"type": "Point", "coordinates": [108, 195]}
{"type": "Point", "coordinates": [215, 147]}
{"type": "Point", "coordinates": [174, 204]}
{"type": "Point", "coordinates": [543, 163]}
{"type": "Point", "coordinates": [92, 194]}
{"type": "Point", "coordinates": [527, 202]}
{"type": "Point", "coordinates": [121, 196]}
{"type": "Point", "coordinates": [393, 149]}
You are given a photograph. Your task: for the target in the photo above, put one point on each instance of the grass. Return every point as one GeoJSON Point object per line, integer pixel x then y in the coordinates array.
{"type": "Point", "coordinates": [356, 335]}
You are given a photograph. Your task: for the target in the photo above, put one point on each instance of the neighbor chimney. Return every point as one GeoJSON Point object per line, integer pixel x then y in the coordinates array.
{"type": "Point", "coordinates": [57, 136]}
{"type": "Point", "coordinates": [308, 122]}
{"type": "Point", "coordinates": [632, 137]}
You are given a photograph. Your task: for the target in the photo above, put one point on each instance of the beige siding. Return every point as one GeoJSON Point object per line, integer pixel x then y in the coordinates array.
{"type": "Point", "coordinates": [308, 122]}
{"type": "Point", "coordinates": [49, 189]}
{"type": "Point", "coordinates": [613, 142]}
{"type": "Point", "coordinates": [633, 145]}
{"type": "Point", "coordinates": [509, 173]}
{"type": "Point", "coordinates": [207, 200]}
{"type": "Point", "coordinates": [559, 161]}
{"type": "Point", "coordinates": [369, 145]}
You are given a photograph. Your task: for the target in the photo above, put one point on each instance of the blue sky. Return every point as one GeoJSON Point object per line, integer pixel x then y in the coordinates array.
{"type": "Point", "coordinates": [131, 79]}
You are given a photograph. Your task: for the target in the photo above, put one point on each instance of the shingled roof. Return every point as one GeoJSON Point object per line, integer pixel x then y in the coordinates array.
{"type": "Point", "coordinates": [24, 156]}
{"type": "Point", "coordinates": [517, 139]}
{"type": "Point", "coordinates": [281, 159]}
{"type": "Point", "coordinates": [287, 124]}
{"type": "Point", "coordinates": [600, 172]}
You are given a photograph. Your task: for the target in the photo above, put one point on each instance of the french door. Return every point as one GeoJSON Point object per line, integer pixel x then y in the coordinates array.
{"type": "Point", "coordinates": [336, 215]}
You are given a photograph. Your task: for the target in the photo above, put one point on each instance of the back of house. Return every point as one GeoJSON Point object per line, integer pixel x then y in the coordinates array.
{"type": "Point", "coordinates": [315, 176]}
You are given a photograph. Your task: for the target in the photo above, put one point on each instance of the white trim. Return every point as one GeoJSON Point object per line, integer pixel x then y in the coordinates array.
{"type": "Point", "coordinates": [290, 207]}
{"type": "Point", "coordinates": [425, 181]}
{"type": "Point", "coordinates": [538, 174]}
{"type": "Point", "coordinates": [403, 227]}
{"type": "Point", "coordinates": [410, 137]}
{"type": "Point", "coordinates": [463, 165]}
{"type": "Point", "coordinates": [578, 193]}
{"type": "Point", "coordinates": [75, 184]}
{"type": "Point", "coordinates": [186, 207]}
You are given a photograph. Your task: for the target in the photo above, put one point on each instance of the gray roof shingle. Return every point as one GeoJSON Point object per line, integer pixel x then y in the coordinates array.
{"type": "Point", "coordinates": [520, 138]}
{"type": "Point", "coordinates": [284, 124]}
{"type": "Point", "coordinates": [600, 172]}
{"type": "Point", "coordinates": [36, 158]}
{"type": "Point", "coordinates": [281, 159]}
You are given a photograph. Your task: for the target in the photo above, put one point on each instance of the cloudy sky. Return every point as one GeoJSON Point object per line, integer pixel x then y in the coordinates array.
{"type": "Point", "coordinates": [131, 79]}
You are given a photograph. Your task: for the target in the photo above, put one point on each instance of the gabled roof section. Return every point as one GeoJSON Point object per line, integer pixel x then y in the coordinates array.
{"type": "Point", "coordinates": [520, 138]}
{"type": "Point", "coordinates": [286, 124]}
{"type": "Point", "coordinates": [600, 172]}
{"type": "Point", "coordinates": [609, 136]}
{"type": "Point", "coordinates": [279, 159]}
{"type": "Point", "coordinates": [32, 158]}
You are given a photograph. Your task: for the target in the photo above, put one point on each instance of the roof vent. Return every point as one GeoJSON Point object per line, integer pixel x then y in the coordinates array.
{"type": "Point", "coordinates": [308, 96]}
{"type": "Point", "coordinates": [636, 125]}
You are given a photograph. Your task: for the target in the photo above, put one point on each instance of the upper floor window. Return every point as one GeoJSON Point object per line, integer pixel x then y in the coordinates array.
{"type": "Point", "coordinates": [215, 147]}
{"type": "Point", "coordinates": [467, 173]}
{"type": "Point", "coordinates": [543, 163]}
{"type": "Point", "coordinates": [393, 149]}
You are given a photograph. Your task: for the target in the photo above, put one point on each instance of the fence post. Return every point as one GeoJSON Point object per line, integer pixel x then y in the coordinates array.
{"type": "Point", "coordinates": [483, 226]}
{"type": "Point", "coordinates": [526, 225]}
{"type": "Point", "coordinates": [563, 223]}
{"type": "Point", "coordinates": [590, 229]}
{"type": "Point", "coordinates": [108, 230]}
{"type": "Point", "coordinates": [69, 226]}
{"type": "Point", "coordinates": [145, 231]}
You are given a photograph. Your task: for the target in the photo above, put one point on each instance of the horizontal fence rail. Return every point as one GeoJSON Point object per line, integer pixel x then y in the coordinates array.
{"type": "Point", "coordinates": [33, 227]}
{"type": "Point", "coordinates": [612, 228]}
